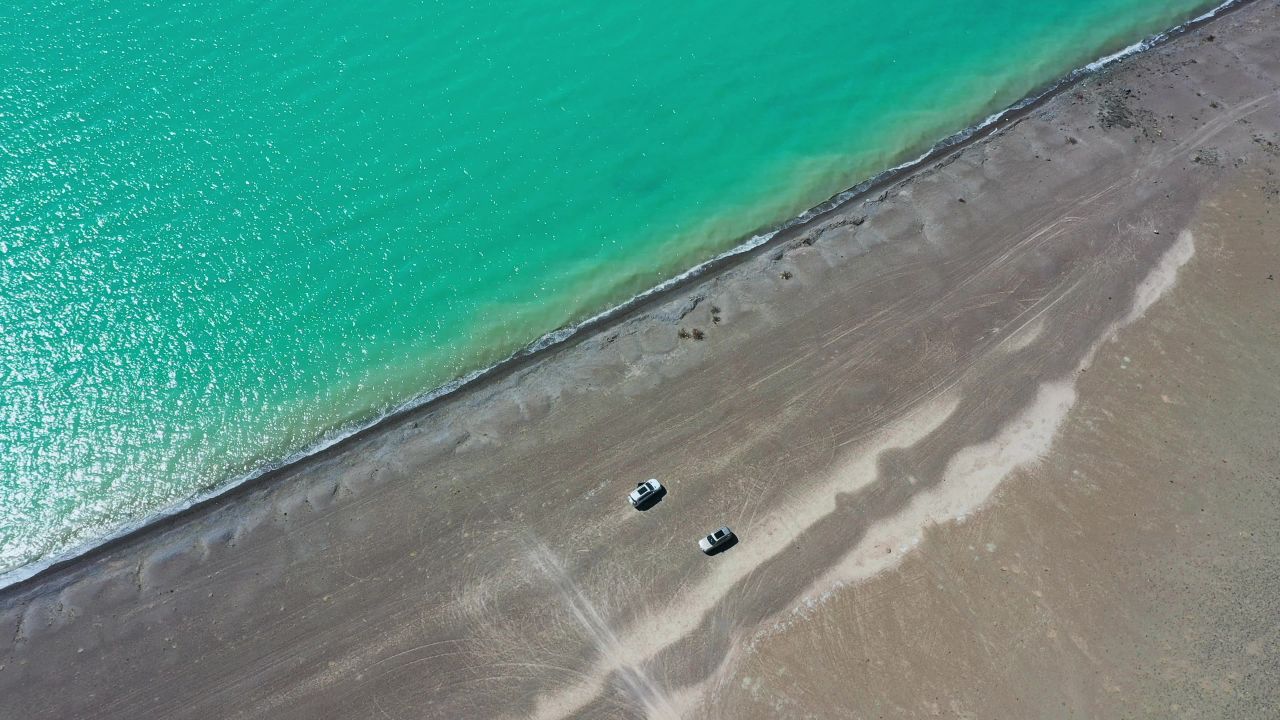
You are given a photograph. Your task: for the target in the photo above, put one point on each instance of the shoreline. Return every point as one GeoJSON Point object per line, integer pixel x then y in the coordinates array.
{"type": "Point", "coordinates": [757, 243]}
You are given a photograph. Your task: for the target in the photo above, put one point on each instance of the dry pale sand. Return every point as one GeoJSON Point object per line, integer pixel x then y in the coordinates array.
{"type": "Point", "coordinates": [999, 440]}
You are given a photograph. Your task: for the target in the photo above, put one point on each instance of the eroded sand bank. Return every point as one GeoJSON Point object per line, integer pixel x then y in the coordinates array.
{"type": "Point", "coordinates": [999, 441]}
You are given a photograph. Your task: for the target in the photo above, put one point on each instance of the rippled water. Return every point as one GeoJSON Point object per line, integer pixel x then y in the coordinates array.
{"type": "Point", "coordinates": [230, 228]}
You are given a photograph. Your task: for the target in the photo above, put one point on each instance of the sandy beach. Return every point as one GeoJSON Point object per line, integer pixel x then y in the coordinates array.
{"type": "Point", "coordinates": [998, 439]}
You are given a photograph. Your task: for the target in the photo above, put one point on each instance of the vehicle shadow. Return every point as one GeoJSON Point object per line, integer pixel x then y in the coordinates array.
{"type": "Point", "coordinates": [652, 500]}
{"type": "Point", "coordinates": [733, 540]}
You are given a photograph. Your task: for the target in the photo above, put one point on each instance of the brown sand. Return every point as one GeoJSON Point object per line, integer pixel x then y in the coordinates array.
{"type": "Point", "coordinates": [1013, 456]}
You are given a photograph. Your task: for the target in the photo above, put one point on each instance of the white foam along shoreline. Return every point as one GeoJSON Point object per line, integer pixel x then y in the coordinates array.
{"type": "Point", "coordinates": [562, 335]}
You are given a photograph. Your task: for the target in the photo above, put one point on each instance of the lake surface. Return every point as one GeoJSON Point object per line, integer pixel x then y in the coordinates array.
{"type": "Point", "coordinates": [229, 230]}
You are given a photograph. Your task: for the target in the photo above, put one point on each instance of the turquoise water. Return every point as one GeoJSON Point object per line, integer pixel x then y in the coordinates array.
{"type": "Point", "coordinates": [230, 228]}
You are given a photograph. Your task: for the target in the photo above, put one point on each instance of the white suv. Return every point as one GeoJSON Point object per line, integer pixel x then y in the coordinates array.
{"type": "Point", "coordinates": [644, 492]}
{"type": "Point", "coordinates": [716, 539]}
